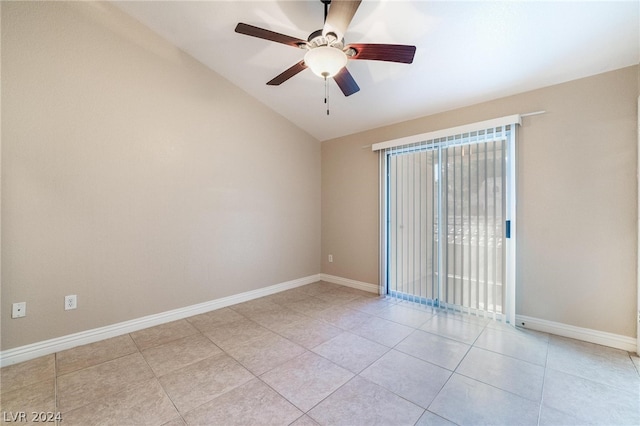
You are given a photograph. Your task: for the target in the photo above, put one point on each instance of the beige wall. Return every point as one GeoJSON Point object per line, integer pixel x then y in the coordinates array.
{"type": "Point", "coordinates": [350, 209]}
{"type": "Point", "coordinates": [136, 178]}
{"type": "Point", "coordinates": [141, 181]}
{"type": "Point", "coordinates": [577, 199]}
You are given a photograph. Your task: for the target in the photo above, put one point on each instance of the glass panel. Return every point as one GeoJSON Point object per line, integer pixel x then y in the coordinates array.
{"type": "Point", "coordinates": [412, 226]}
{"type": "Point", "coordinates": [474, 197]}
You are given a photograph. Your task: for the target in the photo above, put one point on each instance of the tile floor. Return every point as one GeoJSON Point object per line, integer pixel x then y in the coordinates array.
{"type": "Point", "coordinates": [329, 355]}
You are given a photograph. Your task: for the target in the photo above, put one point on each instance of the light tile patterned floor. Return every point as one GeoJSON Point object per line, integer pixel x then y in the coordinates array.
{"type": "Point", "coordinates": [329, 355]}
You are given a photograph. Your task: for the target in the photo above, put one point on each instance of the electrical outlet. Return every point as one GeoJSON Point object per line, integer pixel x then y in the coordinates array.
{"type": "Point", "coordinates": [19, 310]}
{"type": "Point", "coordinates": [70, 302]}
{"type": "Point", "coordinates": [330, 258]}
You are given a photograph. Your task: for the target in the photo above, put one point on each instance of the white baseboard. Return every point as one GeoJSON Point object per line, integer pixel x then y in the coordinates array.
{"type": "Point", "coordinates": [579, 333]}
{"type": "Point", "coordinates": [46, 347]}
{"type": "Point", "coordinates": [360, 285]}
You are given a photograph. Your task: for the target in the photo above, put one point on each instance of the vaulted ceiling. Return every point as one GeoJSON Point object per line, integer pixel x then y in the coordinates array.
{"type": "Point", "coordinates": [467, 52]}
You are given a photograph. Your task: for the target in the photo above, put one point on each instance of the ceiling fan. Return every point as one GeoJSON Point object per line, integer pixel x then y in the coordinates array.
{"type": "Point", "coordinates": [327, 55]}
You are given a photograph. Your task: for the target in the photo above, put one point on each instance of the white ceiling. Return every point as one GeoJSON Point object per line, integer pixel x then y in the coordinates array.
{"type": "Point", "coordinates": [467, 52]}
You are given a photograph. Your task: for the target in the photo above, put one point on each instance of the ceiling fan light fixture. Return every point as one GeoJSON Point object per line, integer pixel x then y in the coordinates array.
{"type": "Point", "coordinates": [325, 61]}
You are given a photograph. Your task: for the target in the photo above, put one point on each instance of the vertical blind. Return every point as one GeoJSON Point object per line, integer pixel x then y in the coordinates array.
{"type": "Point", "coordinates": [445, 202]}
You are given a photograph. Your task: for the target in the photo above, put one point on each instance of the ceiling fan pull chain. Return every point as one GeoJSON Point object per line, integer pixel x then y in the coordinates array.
{"type": "Point", "coordinates": [326, 94]}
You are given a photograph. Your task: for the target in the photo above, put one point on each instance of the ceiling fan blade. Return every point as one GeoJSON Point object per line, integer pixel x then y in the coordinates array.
{"type": "Point", "coordinates": [346, 83]}
{"type": "Point", "coordinates": [287, 74]}
{"type": "Point", "coordinates": [339, 17]}
{"type": "Point", "coordinates": [258, 32]}
{"type": "Point", "coordinates": [383, 52]}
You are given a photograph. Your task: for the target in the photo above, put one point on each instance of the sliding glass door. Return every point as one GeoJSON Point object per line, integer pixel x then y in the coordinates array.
{"type": "Point", "coordinates": [447, 204]}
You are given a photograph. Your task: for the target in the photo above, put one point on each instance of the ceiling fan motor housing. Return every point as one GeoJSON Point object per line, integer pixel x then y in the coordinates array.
{"type": "Point", "coordinates": [316, 39]}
